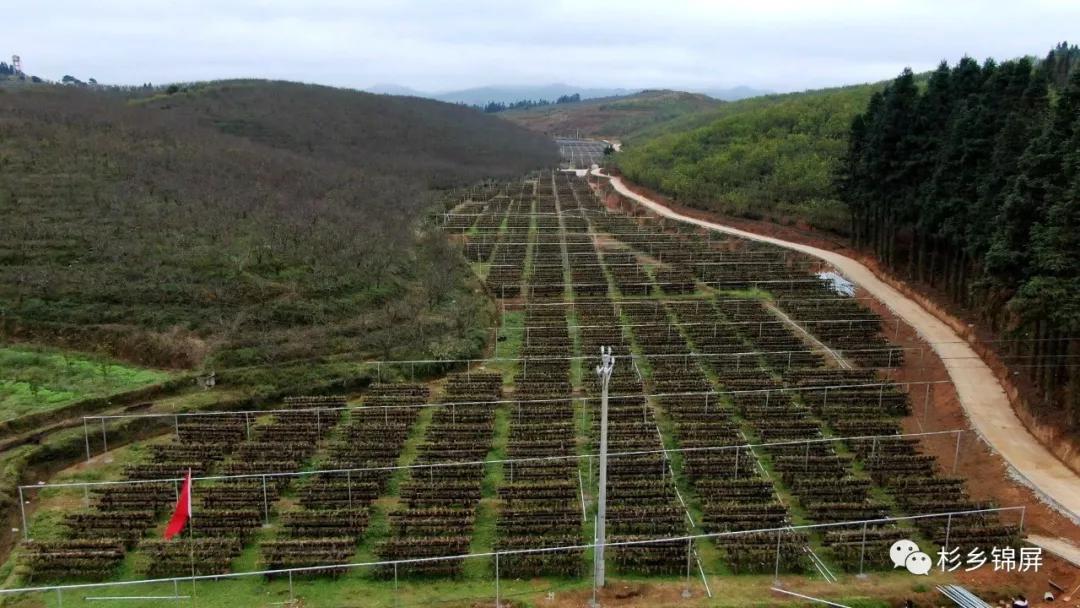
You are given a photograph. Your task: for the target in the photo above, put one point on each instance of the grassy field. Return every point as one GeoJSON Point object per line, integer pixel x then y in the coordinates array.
{"type": "Point", "coordinates": [35, 379]}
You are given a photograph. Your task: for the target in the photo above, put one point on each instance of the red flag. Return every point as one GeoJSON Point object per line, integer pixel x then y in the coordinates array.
{"type": "Point", "coordinates": [182, 513]}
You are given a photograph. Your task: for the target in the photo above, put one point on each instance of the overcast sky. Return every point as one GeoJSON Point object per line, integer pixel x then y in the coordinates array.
{"type": "Point", "coordinates": [432, 45]}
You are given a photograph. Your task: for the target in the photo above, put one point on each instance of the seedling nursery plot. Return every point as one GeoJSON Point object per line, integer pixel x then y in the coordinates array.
{"type": "Point", "coordinates": [753, 430]}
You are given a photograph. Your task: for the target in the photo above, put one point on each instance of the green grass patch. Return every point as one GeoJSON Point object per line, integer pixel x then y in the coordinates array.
{"type": "Point", "coordinates": [37, 379]}
{"type": "Point", "coordinates": [509, 343]}
{"type": "Point", "coordinates": [752, 293]}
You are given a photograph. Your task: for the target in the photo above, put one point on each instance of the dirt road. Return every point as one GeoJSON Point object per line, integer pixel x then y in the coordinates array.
{"type": "Point", "coordinates": [980, 393]}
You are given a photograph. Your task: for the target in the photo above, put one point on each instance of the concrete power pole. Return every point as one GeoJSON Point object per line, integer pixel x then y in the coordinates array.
{"type": "Point", "coordinates": [603, 371]}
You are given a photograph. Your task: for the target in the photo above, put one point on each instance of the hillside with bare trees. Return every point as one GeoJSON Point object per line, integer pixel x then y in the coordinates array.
{"type": "Point", "coordinates": [239, 223]}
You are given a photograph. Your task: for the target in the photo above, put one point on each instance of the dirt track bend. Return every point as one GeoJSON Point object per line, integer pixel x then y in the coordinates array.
{"type": "Point", "coordinates": [979, 392]}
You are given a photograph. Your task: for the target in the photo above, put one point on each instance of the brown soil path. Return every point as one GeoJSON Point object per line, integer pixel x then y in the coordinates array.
{"type": "Point", "coordinates": [982, 396]}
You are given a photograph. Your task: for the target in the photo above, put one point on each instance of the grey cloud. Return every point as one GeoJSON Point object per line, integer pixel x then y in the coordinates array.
{"type": "Point", "coordinates": [432, 45]}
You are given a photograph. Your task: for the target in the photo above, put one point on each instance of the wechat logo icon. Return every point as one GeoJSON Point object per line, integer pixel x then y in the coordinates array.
{"type": "Point", "coordinates": [906, 554]}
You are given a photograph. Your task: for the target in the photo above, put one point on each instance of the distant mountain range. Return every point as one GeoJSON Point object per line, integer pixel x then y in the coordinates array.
{"type": "Point", "coordinates": [479, 96]}
{"type": "Point", "coordinates": [395, 89]}
{"type": "Point", "coordinates": [732, 93]}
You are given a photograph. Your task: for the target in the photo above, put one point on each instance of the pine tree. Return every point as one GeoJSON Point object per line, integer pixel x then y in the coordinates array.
{"type": "Point", "coordinates": [974, 185]}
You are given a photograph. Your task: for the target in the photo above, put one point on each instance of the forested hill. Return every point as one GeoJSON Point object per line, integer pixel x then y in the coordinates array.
{"type": "Point", "coordinates": [441, 143]}
{"type": "Point", "coordinates": [766, 157]}
{"type": "Point", "coordinates": [615, 117]}
{"type": "Point", "coordinates": [972, 184]}
{"type": "Point", "coordinates": [240, 223]}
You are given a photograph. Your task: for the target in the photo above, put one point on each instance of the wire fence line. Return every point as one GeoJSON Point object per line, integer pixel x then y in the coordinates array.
{"type": "Point", "coordinates": [497, 402]}
{"type": "Point", "coordinates": [808, 597]}
{"type": "Point", "coordinates": [431, 467]}
{"type": "Point", "coordinates": [581, 211]}
{"type": "Point", "coordinates": [740, 282]}
{"type": "Point", "coordinates": [175, 416]}
{"type": "Point", "coordinates": [634, 356]}
{"type": "Point", "coordinates": [466, 463]}
{"type": "Point", "coordinates": [636, 265]}
{"type": "Point", "coordinates": [690, 539]}
{"type": "Point", "coordinates": [610, 249]}
{"type": "Point", "coordinates": [390, 363]}
{"type": "Point", "coordinates": [478, 241]}
{"type": "Point", "coordinates": [658, 301]}
{"type": "Point", "coordinates": [647, 287]}
{"type": "Point", "coordinates": [850, 322]}
{"type": "Point", "coordinates": [455, 362]}
{"type": "Point", "coordinates": [886, 349]}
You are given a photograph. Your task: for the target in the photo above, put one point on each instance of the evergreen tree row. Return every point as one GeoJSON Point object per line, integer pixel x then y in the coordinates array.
{"type": "Point", "coordinates": [524, 104]}
{"type": "Point", "coordinates": [971, 184]}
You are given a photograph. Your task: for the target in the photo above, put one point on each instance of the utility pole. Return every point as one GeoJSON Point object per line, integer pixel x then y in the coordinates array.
{"type": "Point", "coordinates": [603, 372]}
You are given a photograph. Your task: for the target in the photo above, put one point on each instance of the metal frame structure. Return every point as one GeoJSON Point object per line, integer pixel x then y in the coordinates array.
{"type": "Point", "coordinates": [602, 457]}
{"type": "Point", "coordinates": [453, 404]}
{"type": "Point", "coordinates": [659, 301]}
{"type": "Point", "coordinates": [688, 538]}
{"type": "Point", "coordinates": [738, 447]}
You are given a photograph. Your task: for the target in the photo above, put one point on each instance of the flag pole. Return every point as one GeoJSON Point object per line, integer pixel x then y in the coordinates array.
{"type": "Point", "coordinates": [191, 534]}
